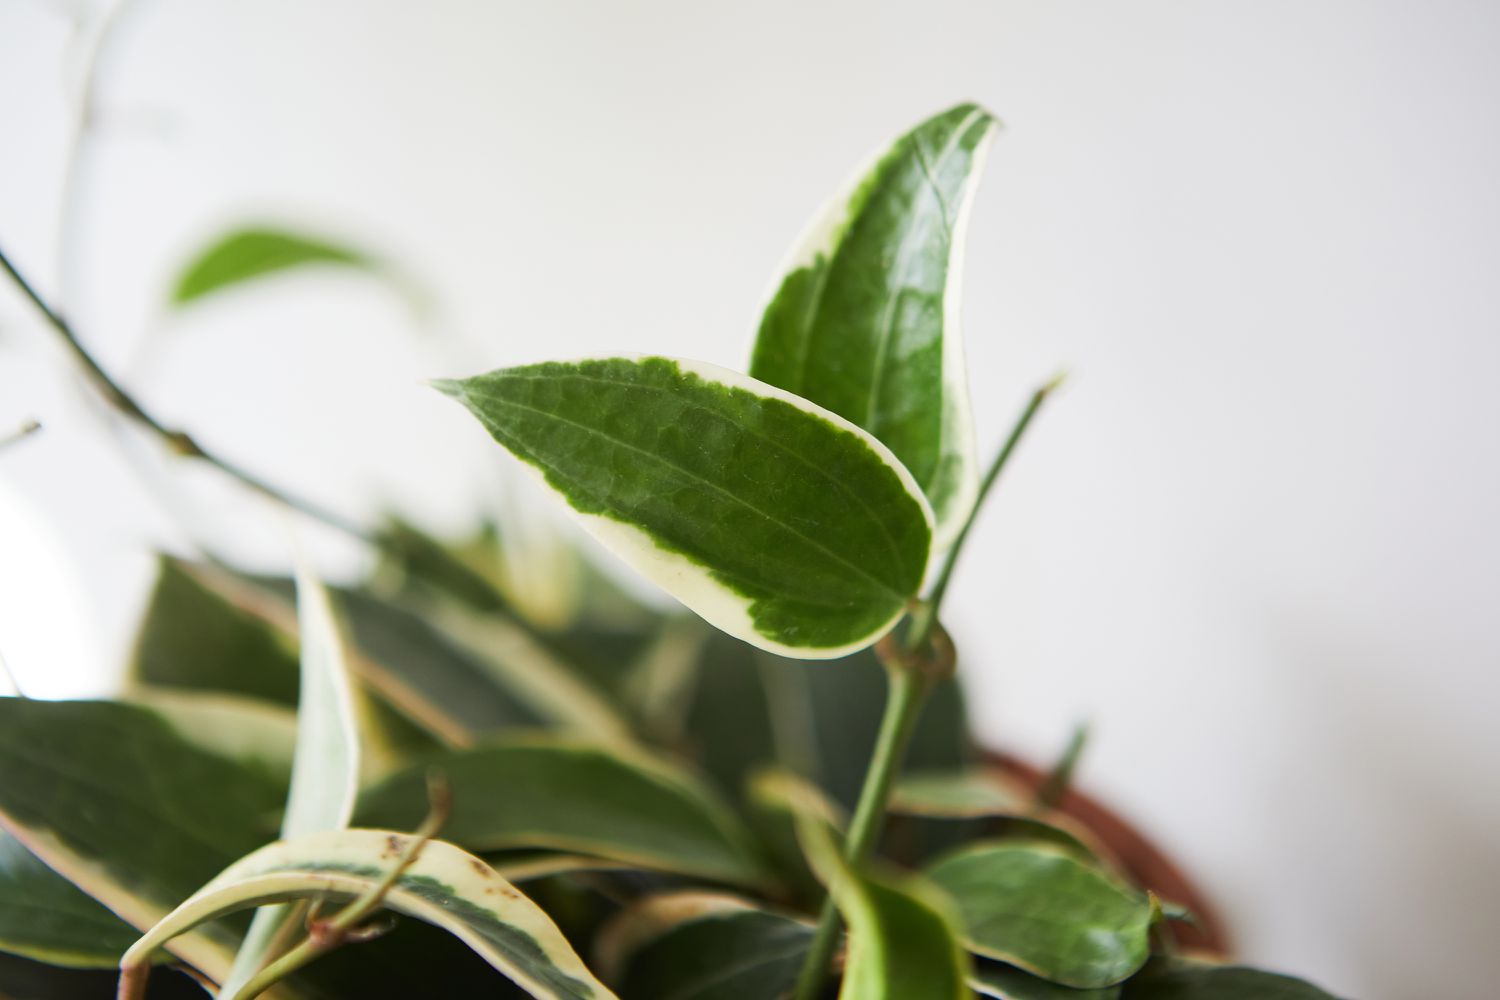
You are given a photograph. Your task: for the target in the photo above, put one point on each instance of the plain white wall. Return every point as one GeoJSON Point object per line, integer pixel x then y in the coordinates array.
{"type": "Point", "coordinates": [1253, 542]}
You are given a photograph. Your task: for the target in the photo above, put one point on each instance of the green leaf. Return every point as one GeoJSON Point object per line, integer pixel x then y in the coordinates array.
{"type": "Point", "coordinates": [903, 942]}
{"type": "Point", "coordinates": [985, 803]}
{"type": "Point", "coordinates": [194, 636]}
{"type": "Point", "coordinates": [448, 687]}
{"type": "Point", "coordinates": [1218, 982]}
{"type": "Point", "coordinates": [770, 517]}
{"type": "Point", "coordinates": [1043, 909]}
{"type": "Point", "coordinates": [250, 253]}
{"type": "Point", "coordinates": [993, 979]}
{"type": "Point", "coordinates": [958, 795]}
{"type": "Point", "coordinates": [541, 792]}
{"type": "Point", "coordinates": [113, 799]}
{"type": "Point", "coordinates": [45, 917]}
{"type": "Point", "coordinates": [865, 320]}
{"type": "Point", "coordinates": [444, 886]}
{"type": "Point", "coordinates": [326, 768]}
{"type": "Point", "coordinates": [695, 946]}
{"type": "Point", "coordinates": [256, 734]}
{"type": "Point", "coordinates": [325, 772]}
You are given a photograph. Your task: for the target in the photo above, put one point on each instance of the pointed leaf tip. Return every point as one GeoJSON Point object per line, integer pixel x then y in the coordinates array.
{"type": "Point", "coordinates": [448, 387]}
{"type": "Point", "coordinates": [865, 317]}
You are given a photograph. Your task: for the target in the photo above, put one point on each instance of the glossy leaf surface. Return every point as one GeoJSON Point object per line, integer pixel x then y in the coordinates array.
{"type": "Point", "coordinates": [1041, 908]}
{"type": "Point", "coordinates": [865, 320]}
{"type": "Point", "coordinates": [444, 886]}
{"type": "Point", "coordinates": [574, 797]}
{"type": "Point", "coordinates": [257, 252]}
{"type": "Point", "coordinates": [776, 521]}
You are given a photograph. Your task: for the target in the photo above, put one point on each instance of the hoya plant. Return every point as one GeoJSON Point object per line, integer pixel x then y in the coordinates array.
{"type": "Point", "coordinates": [419, 785]}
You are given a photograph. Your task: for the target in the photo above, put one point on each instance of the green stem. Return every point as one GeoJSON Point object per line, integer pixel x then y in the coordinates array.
{"type": "Point", "coordinates": [911, 679]}
{"type": "Point", "coordinates": [924, 618]}
{"type": "Point", "coordinates": [909, 687]}
{"type": "Point", "coordinates": [178, 441]}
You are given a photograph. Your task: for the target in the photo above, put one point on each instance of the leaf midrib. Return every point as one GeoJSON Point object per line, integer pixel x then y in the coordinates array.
{"type": "Point", "coordinates": [903, 261]}
{"type": "Point", "coordinates": [880, 585]}
{"type": "Point", "coordinates": [838, 484]}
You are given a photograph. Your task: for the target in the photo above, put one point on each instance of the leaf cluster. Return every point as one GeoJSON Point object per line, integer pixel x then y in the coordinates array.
{"type": "Point", "coordinates": [417, 786]}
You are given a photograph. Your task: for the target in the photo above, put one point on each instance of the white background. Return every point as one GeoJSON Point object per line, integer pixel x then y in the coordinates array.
{"type": "Point", "coordinates": [1253, 542]}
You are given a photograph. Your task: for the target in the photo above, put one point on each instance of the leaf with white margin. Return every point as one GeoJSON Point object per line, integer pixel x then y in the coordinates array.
{"type": "Point", "coordinates": [45, 917]}
{"type": "Point", "coordinates": [112, 798]}
{"type": "Point", "coordinates": [865, 320]}
{"type": "Point", "coordinates": [445, 886]}
{"type": "Point", "coordinates": [325, 770]}
{"type": "Point", "coordinates": [256, 733]}
{"type": "Point", "coordinates": [544, 792]}
{"type": "Point", "coordinates": [903, 941]}
{"type": "Point", "coordinates": [775, 520]}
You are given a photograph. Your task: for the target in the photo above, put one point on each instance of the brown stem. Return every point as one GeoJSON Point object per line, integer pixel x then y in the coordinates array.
{"type": "Point", "coordinates": [179, 442]}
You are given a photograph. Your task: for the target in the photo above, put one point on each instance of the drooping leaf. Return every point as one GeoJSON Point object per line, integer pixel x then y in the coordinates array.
{"type": "Point", "coordinates": [326, 768]}
{"type": "Point", "coordinates": [1043, 909]}
{"type": "Point", "coordinates": [444, 886]}
{"type": "Point", "coordinates": [903, 941]}
{"type": "Point", "coordinates": [45, 917]}
{"type": "Point", "coordinates": [255, 734]}
{"type": "Point", "coordinates": [247, 254]}
{"type": "Point", "coordinates": [691, 946]}
{"type": "Point", "coordinates": [865, 320]}
{"type": "Point", "coordinates": [113, 799]}
{"type": "Point", "coordinates": [541, 792]}
{"type": "Point", "coordinates": [1006, 982]}
{"type": "Point", "coordinates": [773, 519]}
{"type": "Point", "coordinates": [1183, 981]}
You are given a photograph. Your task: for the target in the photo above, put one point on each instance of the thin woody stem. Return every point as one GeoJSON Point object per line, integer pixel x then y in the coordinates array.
{"type": "Point", "coordinates": [924, 618]}
{"type": "Point", "coordinates": [178, 441]}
